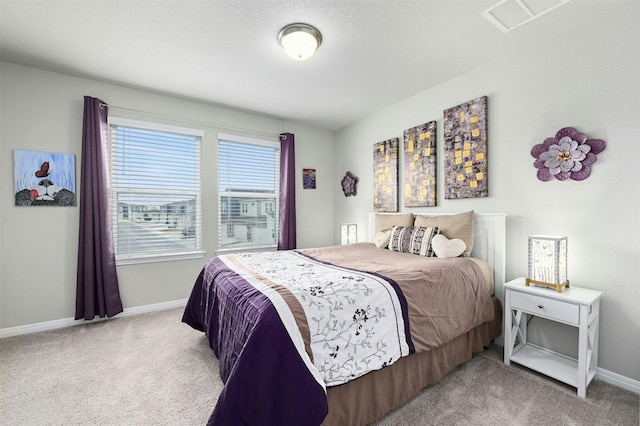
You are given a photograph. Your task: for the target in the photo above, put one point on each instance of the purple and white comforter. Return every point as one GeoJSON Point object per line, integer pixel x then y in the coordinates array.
{"type": "Point", "coordinates": [285, 326]}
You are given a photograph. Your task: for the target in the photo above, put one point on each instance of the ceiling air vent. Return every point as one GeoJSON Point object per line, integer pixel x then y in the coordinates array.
{"type": "Point", "coordinates": [510, 14]}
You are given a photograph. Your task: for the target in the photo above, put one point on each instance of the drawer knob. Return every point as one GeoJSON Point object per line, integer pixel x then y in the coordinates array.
{"type": "Point", "coordinates": [541, 306]}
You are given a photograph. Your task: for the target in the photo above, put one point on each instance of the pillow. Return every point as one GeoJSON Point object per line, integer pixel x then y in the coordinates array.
{"type": "Point", "coordinates": [414, 240]}
{"type": "Point", "coordinates": [381, 239]}
{"type": "Point", "coordinates": [384, 222]}
{"type": "Point", "coordinates": [452, 226]}
{"type": "Point", "coordinates": [445, 248]}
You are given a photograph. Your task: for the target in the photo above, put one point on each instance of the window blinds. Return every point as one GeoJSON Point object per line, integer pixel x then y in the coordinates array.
{"type": "Point", "coordinates": [248, 192]}
{"type": "Point", "coordinates": [155, 187]}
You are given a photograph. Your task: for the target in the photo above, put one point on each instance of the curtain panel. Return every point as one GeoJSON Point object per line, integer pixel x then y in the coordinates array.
{"type": "Point", "coordinates": [287, 214]}
{"type": "Point", "coordinates": [97, 291]}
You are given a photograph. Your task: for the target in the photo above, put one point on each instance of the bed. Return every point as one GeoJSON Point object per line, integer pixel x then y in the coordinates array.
{"type": "Point", "coordinates": [341, 335]}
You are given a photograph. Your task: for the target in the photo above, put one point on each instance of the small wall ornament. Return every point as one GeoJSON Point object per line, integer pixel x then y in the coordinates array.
{"type": "Point", "coordinates": [349, 185]}
{"type": "Point", "coordinates": [568, 155]}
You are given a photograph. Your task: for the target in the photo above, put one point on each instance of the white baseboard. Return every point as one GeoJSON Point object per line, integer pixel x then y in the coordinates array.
{"type": "Point", "coordinates": [68, 322]}
{"type": "Point", "coordinates": [619, 380]}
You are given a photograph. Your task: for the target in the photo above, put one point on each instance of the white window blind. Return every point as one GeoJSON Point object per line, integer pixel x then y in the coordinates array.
{"type": "Point", "coordinates": [155, 190]}
{"type": "Point", "coordinates": [248, 193]}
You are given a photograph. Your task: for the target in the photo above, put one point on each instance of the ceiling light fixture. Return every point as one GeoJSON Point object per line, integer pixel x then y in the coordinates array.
{"type": "Point", "coordinates": [299, 41]}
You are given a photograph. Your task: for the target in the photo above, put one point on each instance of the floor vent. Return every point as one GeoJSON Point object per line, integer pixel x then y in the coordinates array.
{"type": "Point", "coordinates": [510, 14]}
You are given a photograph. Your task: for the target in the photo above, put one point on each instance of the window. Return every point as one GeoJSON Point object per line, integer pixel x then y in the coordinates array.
{"type": "Point", "coordinates": [155, 191]}
{"type": "Point", "coordinates": [248, 193]}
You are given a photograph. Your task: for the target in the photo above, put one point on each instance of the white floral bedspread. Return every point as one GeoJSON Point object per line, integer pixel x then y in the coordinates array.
{"type": "Point", "coordinates": [356, 320]}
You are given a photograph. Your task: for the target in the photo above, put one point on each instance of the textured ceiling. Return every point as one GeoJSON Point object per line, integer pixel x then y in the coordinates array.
{"type": "Point", "coordinates": [373, 54]}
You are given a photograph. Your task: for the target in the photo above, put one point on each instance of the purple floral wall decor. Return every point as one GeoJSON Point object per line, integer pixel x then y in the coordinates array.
{"type": "Point", "coordinates": [349, 185]}
{"type": "Point", "coordinates": [568, 155]}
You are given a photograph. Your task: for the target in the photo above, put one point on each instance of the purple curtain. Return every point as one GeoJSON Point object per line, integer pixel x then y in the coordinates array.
{"type": "Point", "coordinates": [97, 291]}
{"type": "Point", "coordinates": [287, 224]}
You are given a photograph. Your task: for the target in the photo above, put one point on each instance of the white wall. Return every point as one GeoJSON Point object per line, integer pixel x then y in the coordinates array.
{"type": "Point", "coordinates": [589, 80]}
{"type": "Point", "coordinates": [42, 111]}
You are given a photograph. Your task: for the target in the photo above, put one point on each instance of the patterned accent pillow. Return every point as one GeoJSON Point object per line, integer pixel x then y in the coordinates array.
{"type": "Point", "coordinates": [414, 240]}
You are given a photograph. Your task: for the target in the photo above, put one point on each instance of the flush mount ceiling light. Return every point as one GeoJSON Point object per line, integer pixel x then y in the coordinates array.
{"type": "Point", "coordinates": [299, 41]}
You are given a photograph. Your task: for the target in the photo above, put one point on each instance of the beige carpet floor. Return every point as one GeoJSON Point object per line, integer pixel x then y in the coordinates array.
{"type": "Point", "coordinates": [151, 369]}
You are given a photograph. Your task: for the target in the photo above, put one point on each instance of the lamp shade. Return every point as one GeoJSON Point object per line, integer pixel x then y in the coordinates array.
{"type": "Point", "coordinates": [348, 233]}
{"type": "Point", "coordinates": [299, 41]}
{"type": "Point", "coordinates": [548, 261]}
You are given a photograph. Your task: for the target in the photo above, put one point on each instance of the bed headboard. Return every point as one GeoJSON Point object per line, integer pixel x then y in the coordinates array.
{"type": "Point", "coordinates": [489, 244]}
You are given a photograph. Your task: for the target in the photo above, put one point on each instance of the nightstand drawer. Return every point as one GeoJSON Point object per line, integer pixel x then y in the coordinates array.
{"type": "Point", "coordinates": [544, 307]}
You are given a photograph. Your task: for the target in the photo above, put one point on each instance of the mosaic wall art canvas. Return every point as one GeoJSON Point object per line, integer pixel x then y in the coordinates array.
{"type": "Point", "coordinates": [420, 166]}
{"type": "Point", "coordinates": [44, 178]}
{"type": "Point", "coordinates": [465, 150]}
{"type": "Point", "coordinates": [385, 175]}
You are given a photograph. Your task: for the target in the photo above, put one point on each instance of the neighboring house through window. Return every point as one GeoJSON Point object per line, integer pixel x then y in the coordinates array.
{"type": "Point", "coordinates": [155, 191]}
{"type": "Point", "coordinates": [248, 193]}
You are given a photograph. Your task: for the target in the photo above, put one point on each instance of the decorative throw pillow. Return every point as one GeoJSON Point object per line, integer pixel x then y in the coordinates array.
{"type": "Point", "coordinates": [381, 239]}
{"type": "Point", "coordinates": [452, 226]}
{"type": "Point", "coordinates": [414, 240]}
{"type": "Point", "coordinates": [445, 248]}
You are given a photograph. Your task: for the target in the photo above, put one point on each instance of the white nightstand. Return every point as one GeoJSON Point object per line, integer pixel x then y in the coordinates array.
{"type": "Point", "coordinates": [575, 306]}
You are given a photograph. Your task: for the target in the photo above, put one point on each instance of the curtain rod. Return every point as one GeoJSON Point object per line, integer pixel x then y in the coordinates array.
{"type": "Point", "coordinates": [220, 127]}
